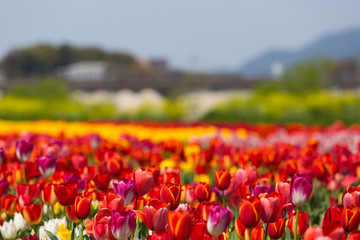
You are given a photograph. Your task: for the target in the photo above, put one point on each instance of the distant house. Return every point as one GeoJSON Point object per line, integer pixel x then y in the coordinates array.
{"type": "Point", "coordinates": [91, 71]}
{"type": "Point", "coordinates": [158, 65]}
{"type": "Point", "coordinates": [346, 74]}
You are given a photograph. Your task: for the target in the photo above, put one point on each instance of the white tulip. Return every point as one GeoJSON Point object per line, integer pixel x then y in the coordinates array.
{"type": "Point", "coordinates": [20, 223]}
{"type": "Point", "coordinates": [8, 230]}
{"type": "Point", "coordinates": [52, 226]}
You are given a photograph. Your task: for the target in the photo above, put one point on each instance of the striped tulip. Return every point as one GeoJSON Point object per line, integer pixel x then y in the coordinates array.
{"type": "Point", "coordinates": [222, 179]}
{"type": "Point", "coordinates": [250, 211]}
{"type": "Point", "coordinates": [180, 225]}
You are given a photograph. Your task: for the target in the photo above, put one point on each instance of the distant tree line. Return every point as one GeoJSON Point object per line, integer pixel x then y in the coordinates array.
{"type": "Point", "coordinates": [44, 59]}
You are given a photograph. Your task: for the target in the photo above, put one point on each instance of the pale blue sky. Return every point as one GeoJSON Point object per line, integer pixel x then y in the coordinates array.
{"type": "Point", "coordinates": [196, 34]}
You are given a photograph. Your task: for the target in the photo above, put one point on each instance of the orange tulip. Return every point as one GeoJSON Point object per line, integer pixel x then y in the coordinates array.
{"type": "Point", "coordinates": [202, 191]}
{"type": "Point", "coordinates": [277, 229]}
{"type": "Point", "coordinates": [48, 194]}
{"type": "Point", "coordinates": [82, 207]}
{"type": "Point", "coordinates": [249, 211]}
{"type": "Point", "coordinates": [350, 218]}
{"type": "Point", "coordinates": [170, 193]}
{"type": "Point", "coordinates": [9, 204]}
{"type": "Point", "coordinates": [180, 225]}
{"type": "Point", "coordinates": [222, 179]}
{"type": "Point", "coordinates": [32, 213]}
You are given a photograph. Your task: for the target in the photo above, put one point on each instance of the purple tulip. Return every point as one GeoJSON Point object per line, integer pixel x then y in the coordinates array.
{"type": "Point", "coordinates": [72, 178]}
{"type": "Point", "coordinates": [126, 189]}
{"type": "Point", "coordinates": [122, 224]}
{"type": "Point", "coordinates": [300, 189]}
{"type": "Point", "coordinates": [218, 220]}
{"type": "Point", "coordinates": [24, 149]}
{"type": "Point", "coordinates": [2, 155]}
{"type": "Point", "coordinates": [47, 165]}
{"type": "Point", "coordinates": [95, 140]}
{"type": "Point", "coordinates": [263, 189]}
{"type": "Point", "coordinates": [4, 186]}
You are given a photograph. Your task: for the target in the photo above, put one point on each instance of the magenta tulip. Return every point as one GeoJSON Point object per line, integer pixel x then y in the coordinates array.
{"type": "Point", "coordinates": [72, 178]}
{"type": "Point", "coordinates": [24, 149]}
{"type": "Point", "coordinates": [218, 220]}
{"type": "Point", "coordinates": [126, 189]}
{"type": "Point", "coordinates": [122, 224]}
{"type": "Point", "coordinates": [47, 165]}
{"type": "Point", "coordinates": [300, 189]}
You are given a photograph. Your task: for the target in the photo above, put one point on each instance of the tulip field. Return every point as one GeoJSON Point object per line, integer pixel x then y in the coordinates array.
{"type": "Point", "coordinates": [178, 181]}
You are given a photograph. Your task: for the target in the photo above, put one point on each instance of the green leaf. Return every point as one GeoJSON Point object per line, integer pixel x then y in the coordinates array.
{"type": "Point", "coordinates": [51, 235]}
{"type": "Point", "coordinates": [73, 234]}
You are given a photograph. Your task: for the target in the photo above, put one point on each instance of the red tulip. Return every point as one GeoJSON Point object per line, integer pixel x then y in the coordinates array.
{"type": "Point", "coordinates": [222, 179]}
{"type": "Point", "coordinates": [303, 223]}
{"type": "Point", "coordinates": [350, 218]}
{"type": "Point", "coordinates": [32, 213]}
{"type": "Point", "coordinates": [82, 207]}
{"type": "Point", "coordinates": [332, 215]}
{"type": "Point", "coordinates": [354, 235]}
{"type": "Point", "coordinates": [66, 193]}
{"type": "Point", "coordinates": [143, 180]}
{"type": "Point", "coordinates": [240, 229]}
{"type": "Point", "coordinates": [189, 193]}
{"type": "Point", "coordinates": [9, 204]}
{"type": "Point", "coordinates": [351, 196]}
{"type": "Point", "coordinates": [271, 207]}
{"type": "Point", "coordinates": [155, 215]}
{"type": "Point", "coordinates": [48, 194]}
{"type": "Point", "coordinates": [202, 191]}
{"type": "Point", "coordinates": [249, 211]}
{"type": "Point", "coordinates": [102, 180]}
{"type": "Point", "coordinates": [171, 193]}
{"type": "Point", "coordinates": [112, 202]}
{"type": "Point", "coordinates": [180, 225]}
{"type": "Point", "coordinates": [276, 229]}
{"type": "Point", "coordinates": [313, 233]}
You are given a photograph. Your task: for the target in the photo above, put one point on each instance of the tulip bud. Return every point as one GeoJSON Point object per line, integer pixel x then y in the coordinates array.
{"type": "Point", "coordinates": [271, 207]}
{"type": "Point", "coordinates": [48, 195]}
{"type": "Point", "coordinates": [143, 180]}
{"type": "Point", "coordinates": [202, 191]}
{"type": "Point", "coordinates": [122, 224]}
{"type": "Point", "coordinates": [249, 211]}
{"type": "Point", "coordinates": [9, 204]}
{"type": "Point", "coordinates": [300, 189]}
{"type": "Point", "coordinates": [218, 220]}
{"type": "Point", "coordinates": [222, 179]}
{"type": "Point", "coordinates": [276, 229]}
{"type": "Point", "coordinates": [180, 225]}
{"type": "Point", "coordinates": [350, 218]}
{"type": "Point", "coordinates": [303, 223]}
{"type": "Point", "coordinates": [170, 193]}
{"type": "Point", "coordinates": [102, 180]}
{"type": "Point", "coordinates": [284, 189]}
{"type": "Point", "coordinates": [189, 193]}
{"type": "Point", "coordinates": [82, 207]}
{"type": "Point", "coordinates": [47, 165]}
{"type": "Point", "coordinates": [24, 149]}
{"type": "Point", "coordinates": [126, 189]}
{"type": "Point", "coordinates": [32, 213]}
{"type": "Point", "coordinates": [332, 215]}
{"type": "Point", "coordinates": [66, 193]}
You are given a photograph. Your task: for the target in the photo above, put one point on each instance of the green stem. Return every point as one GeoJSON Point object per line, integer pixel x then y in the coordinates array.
{"type": "Point", "coordinates": [23, 169]}
{"type": "Point", "coordinates": [266, 231]}
{"type": "Point", "coordinates": [136, 202]}
{"type": "Point", "coordinates": [223, 198]}
{"type": "Point", "coordinates": [82, 230]}
{"type": "Point", "coordinates": [71, 220]}
{"type": "Point", "coordinates": [296, 224]}
{"type": "Point", "coordinates": [214, 238]}
{"type": "Point", "coordinates": [249, 233]}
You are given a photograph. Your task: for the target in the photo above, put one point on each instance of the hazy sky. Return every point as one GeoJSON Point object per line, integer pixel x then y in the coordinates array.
{"type": "Point", "coordinates": [191, 34]}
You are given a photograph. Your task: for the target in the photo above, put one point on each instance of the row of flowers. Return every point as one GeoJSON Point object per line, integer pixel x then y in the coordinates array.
{"type": "Point", "coordinates": [94, 186]}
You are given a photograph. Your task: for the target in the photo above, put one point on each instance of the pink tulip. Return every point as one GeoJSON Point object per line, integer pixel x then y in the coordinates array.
{"type": "Point", "coordinates": [218, 220]}
{"type": "Point", "coordinates": [100, 229]}
{"type": "Point", "coordinates": [122, 224]}
{"type": "Point", "coordinates": [143, 180]}
{"type": "Point", "coordinates": [155, 215]}
{"type": "Point", "coordinates": [284, 189]}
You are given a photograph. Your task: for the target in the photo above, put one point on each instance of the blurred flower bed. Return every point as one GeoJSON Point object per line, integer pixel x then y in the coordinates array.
{"type": "Point", "coordinates": [107, 180]}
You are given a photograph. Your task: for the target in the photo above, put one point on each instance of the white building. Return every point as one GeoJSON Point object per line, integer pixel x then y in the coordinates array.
{"type": "Point", "coordinates": [85, 71]}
